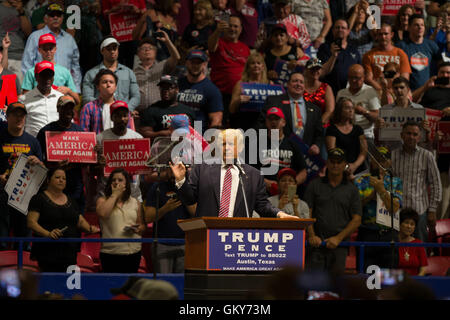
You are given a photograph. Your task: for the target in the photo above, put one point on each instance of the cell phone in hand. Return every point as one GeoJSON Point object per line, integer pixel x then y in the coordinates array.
{"type": "Point", "coordinates": [442, 81]}
{"type": "Point", "coordinates": [64, 229]}
{"type": "Point", "coordinates": [389, 74]}
{"type": "Point", "coordinates": [159, 35]}
{"type": "Point", "coordinates": [338, 42]}
{"type": "Point", "coordinates": [292, 190]}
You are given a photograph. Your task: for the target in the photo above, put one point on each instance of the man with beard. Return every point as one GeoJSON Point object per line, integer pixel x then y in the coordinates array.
{"type": "Point", "coordinates": [41, 101]}
{"type": "Point", "coordinates": [74, 186]}
{"type": "Point", "coordinates": [156, 120]}
{"type": "Point", "coordinates": [198, 92]}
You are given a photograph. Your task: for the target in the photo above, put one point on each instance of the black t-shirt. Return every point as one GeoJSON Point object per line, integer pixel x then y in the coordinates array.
{"type": "Point", "coordinates": [12, 147]}
{"type": "Point", "coordinates": [167, 225]}
{"type": "Point", "coordinates": [287, 155]}
{"type": "Point", "coordinates": [194, 36]}
{"type": "Point", "coordinates": [159, 116]}
{"type": "Point", "coordinates": [53, 216]}
{"type": "Point", "coordinates": [348, 142]}
{"type": "Point", "coordinates": [438, 99]}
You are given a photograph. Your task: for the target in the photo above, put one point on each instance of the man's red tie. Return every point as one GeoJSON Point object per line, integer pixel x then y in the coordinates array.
{"type": "Point", "coordinates": [226, 194]}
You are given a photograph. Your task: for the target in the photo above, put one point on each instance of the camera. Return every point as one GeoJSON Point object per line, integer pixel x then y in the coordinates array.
{"type": "Point", "coordinates": [389, 74]}
{"type": "Point", "coordinates": [442, 81]}
{"type": "Point", "coordinates": [338, 42]}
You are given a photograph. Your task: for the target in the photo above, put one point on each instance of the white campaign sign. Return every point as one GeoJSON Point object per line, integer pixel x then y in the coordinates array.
{"type": "Point", "coordinates": [384, 217]}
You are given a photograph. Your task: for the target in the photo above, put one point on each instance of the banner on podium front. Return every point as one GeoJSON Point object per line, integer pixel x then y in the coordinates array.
{"type": "Point", "coordinates": [254, 249]}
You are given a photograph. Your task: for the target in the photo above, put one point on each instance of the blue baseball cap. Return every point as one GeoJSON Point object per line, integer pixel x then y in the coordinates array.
{"type": "Point", "coordinates": [197, 54]}
{"type": "Point", "coordinates": [180, 122]}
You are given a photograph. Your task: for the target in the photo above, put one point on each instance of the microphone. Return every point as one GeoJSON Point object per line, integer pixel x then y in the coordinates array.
{"type": "Point", "coordinates": [241, 170]}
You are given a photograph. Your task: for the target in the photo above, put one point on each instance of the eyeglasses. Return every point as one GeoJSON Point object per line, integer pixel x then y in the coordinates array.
{"type": "Point", "coordinates": [147, 48]}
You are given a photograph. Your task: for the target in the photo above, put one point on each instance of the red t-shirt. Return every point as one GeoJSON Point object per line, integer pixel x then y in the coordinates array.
{"type": "Point", "coordinates": [227, 64]}
{"type": "Point", "coordinates": [412, 258]}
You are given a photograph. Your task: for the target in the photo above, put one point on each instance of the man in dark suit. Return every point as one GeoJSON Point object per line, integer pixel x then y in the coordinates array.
{"type": "Point", "coordinates": [302, 117]}
{"type": "Point", "coordinates": [213, 189]}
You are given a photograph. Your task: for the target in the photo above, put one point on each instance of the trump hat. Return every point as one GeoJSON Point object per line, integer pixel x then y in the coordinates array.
{"type": "Point", "coordinates": [180, 122]}
{"type": "Point", "coordinates": [168, 79]}
{"type": "Point", "coordinates": [286, 171]}
{"type": "Point", "coordinates": [44, 65]}
{"type": "Point", "coordinates": [197, 54]}
{"type": "Point", "coordinates": [275, 111]}
{"type": "Point", "coordinates": [47, 38]}
{"type": "Point", "coordinates": [16, 106]}
{"type": "Point", "coordinates": [336, 154]}
{"type": "Point", "coordinates": [117, 105]}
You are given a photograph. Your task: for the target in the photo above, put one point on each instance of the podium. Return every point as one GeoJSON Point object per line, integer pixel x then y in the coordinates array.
{"type": "Point", "coordinates": [231, 258]}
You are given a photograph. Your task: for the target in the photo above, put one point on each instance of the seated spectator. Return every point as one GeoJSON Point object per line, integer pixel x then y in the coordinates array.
{"type": "Point", "coordinates": [62, 80]}
{"type": "Point", "coordinates": [198, 92]}
{"type": "Point", "coordinates": [120, 216]}
{"type": "Point", "coordinates": [412, 260]}
{"type": "Point", "coordinates": [95, 115]}
{"type": "Point", "coordinates": [41, 101]}
{"type": "Point", "coordinates": [156, 120]}
{"type": "Point", "coordinates": [338, 56]}
{"type": "Point", "coordinates": [162, 17]}
{"type": "Point", "coordinates": [364, 98]}
{"type": "Point", "coordinates": [149, 70]}
{"type": "Point", "coordinates": [279, 49]}
{"type": "Point", "coordinates": [296, 29]}
{"type": "Point", "coordinates": [360, 35]}
{"type": "Point", "coordinates": [344, 134]}
{"type": "Point", "coordinates": [67, 55]}
{"type": "Point", "coordinates": [377, 184]}
{"type": "Point", "coordinates": [196, 34]}
{"type": "Point", "coordinates": [15, 141]}
{"type": "Point", "coordinates": [53, 214]}
{"type": "Point", "coordinates": [401, 24]}
{"type": "Point", "coordinates": [74, 178]}
{"type": "Point", "coordinates": [317, 92]}
{"type": "Point", "coordinates": [293, 206]}
{"type": "Point", "coordinates": [226, 68]}
{"type": "Point", "coordinates": [169, 257]}
{"type": "Point", "coordinates": [383, 53]}
{"type": "Point", "coordinates": [255, 71]}
{"type": "Point", "coordinates": [16, 24]}
{"type": "Point", "coordinates": [127, 87]}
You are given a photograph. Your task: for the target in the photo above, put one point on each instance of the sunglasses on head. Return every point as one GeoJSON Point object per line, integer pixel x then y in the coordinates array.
{"type": "Point", "coordinates": [53, 14]}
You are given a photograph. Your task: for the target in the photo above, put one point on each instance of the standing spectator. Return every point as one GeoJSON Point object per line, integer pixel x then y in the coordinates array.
{"type": "Point", "coordinates": [95, 115]}
{"type": "Point", "coordinates": [420, 175]}
{"type": "Point", "coordinates": [317, 16]}
{"type": "Point", "coordinates": [402, 20]}
{"type": "Point", "coordinates": [156, 120]}
{"type": "Point", "coordinates": [376, 59]}
{"type": "Point", "coordinates": [228, 57]}
{"type": "Point", "coordinates": [67, 55]}
{"type": "Point", "coordinates": [255, 71]}
{"type": "Point", "coordinates": [198, 92]}
{"type": "Point", "coordinates": [62, 78]}
{"type": "Point", "coordinates": [413, 260]}
{"type": "Point", "coordinates": [41, 101]}
{"type": "Point", "coordinates": [335, 204]}
{"type": "Point", "coordinates": [423, 53]}
{"type": "Point", "coordinates": [127, 87]}
{"type": "Point", "coordinates": [149, 70]}
{"type": "Point", "coordinates": [344, 134]}
{"type": "Point", "coordinates": [15, 141]}
{"type": "Point", "coordinates": [439, 33]}
{"type": "Point", "coordinates": [302, 117]}
{"type": "Point", "coordinates": [15, 23]}
{"type": "Point", "coordinates": [293, 206]}
{"type": "Point", "coordinates": [364, 98]}
{"type": "Point", "coordinates": [53, 214]}
{"type": "Point", "coordinates": [74, 186]}
{"type": "Point", "coordinates": [169, 257]}
{"type": "Point", "coordinates": [11, 78]}
{"type": "Point", "coordinates": [296, 29]}
{"type": "Point", "coordinates": [371, 186]}
{"type": "Point", "coordinates": [360, 35]}
{"type": "Point", "coordinates": [338, 56]}
{"type": "Point", "coordinates": [120, 217]}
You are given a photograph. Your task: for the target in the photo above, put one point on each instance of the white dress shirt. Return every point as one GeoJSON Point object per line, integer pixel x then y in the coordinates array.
{"type": "Point", "coordinates": [41, 110]}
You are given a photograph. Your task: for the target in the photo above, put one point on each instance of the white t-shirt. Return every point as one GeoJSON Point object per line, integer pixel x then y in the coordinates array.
{"type": "Point", "coordinates": [106, 117]}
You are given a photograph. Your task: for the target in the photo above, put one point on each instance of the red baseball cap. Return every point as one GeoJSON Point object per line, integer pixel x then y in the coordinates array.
{"type": "Point", "coordinates": [43, 65]}
{"type": "Point", "coordinates": [286, 171]}
{"type": "Point", "coordinates": [117, 105]}
{"type": "Point", "coordinates": [47, 38]}
{"type": "Point", "coordinates": [275, 111]}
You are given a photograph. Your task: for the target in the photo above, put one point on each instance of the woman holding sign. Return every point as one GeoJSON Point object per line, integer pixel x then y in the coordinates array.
{"type": "Point", "coordinates": [120, 217]}
{"type": "Point", "coordinates": [54, 215]}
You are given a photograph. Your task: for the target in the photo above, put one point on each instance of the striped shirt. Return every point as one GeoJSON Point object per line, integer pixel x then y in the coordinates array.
{"type": "Point", "coordinates": [147, 80]}
{"type": "Point", "coordinates": [419, 171]}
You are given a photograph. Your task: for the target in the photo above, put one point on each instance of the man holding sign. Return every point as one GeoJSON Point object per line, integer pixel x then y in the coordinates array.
{"type": "Point", "coordinates": [14, 141]}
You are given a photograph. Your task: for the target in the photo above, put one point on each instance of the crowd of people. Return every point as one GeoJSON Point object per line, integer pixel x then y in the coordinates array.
{"type": "Point", "coordinates": [343, 79]}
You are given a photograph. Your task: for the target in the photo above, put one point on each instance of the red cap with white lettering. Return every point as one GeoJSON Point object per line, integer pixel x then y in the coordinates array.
{"type": "Point", "coordinates": [117, 105]}
{"type": "Point", "coordinates": [46, 38]}
{"type": "Point", "coordinates": [43, 65]}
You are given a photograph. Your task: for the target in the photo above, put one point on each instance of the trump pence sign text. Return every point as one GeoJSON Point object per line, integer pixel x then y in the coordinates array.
{"type": "Point", "coordinates": [130, 154]}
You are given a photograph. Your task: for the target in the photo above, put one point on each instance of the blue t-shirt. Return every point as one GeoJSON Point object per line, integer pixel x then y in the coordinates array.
{"type": "Point", "coordinates": [167, 225]}
{"type": "Point", "coordinates": [422, 58]}
{"type": "Point", "coordinates": [204, 97]}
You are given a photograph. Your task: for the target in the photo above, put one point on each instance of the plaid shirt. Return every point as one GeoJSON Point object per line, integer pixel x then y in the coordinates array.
{"type": "Point", "coordinates": [91, 117]}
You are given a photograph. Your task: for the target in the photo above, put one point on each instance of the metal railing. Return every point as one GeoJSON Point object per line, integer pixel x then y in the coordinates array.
{"type": "Point", "coordinates": [361, 244]}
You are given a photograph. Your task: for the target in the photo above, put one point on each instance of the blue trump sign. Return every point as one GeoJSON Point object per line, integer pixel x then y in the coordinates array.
{"type": "Point", "coordinates": [254, 249]}
{"type": "Point", "coordinates": [258, 93]}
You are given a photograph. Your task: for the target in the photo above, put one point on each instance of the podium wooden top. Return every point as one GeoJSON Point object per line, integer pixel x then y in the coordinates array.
{"type": "Point", "coordinates": [243, 223]}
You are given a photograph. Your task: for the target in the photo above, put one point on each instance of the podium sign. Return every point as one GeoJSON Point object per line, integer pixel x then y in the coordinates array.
{"type": "Point", "coordinates": [254, 249]}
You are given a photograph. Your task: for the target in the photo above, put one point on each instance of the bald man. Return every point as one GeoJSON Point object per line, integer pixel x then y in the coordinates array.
{"type": "Point", "coordinates": [364, 97]}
